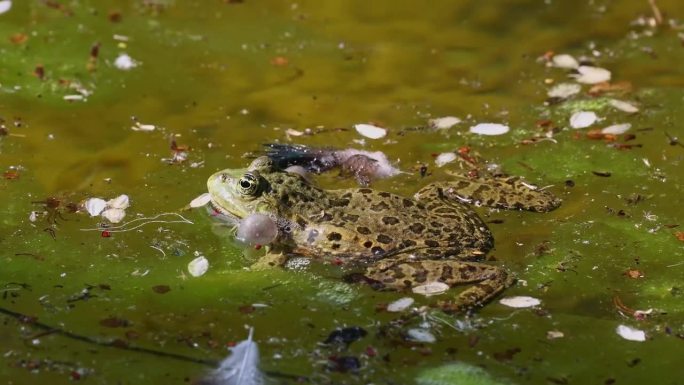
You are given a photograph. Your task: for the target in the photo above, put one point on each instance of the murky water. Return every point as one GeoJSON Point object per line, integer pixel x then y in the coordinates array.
{"type": "Point", "coordinates": [223, 77]}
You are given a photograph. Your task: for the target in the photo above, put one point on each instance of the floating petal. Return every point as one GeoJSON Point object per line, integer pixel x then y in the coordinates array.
{"type": "Point", "coordinates": [591, 75]}
{"type": "Point", "coordinates": [198, 266]}
{"type": "Point", "coordinates": [630, 333]}
{"type": "Point", "coordinates": [370, 131]}
{"type": "Point", "coordinates": [489, 129]}
{"type": "Point", "coordinates": [95, 206]}
{"type": "Point", "coordinates": [520, 301]}
{"type": "Point", "coordinates": [400, 304]}
{"type": "Point", "coordinates": [583, 119]}
{"type": "Point", "coordinates": [444, 123]}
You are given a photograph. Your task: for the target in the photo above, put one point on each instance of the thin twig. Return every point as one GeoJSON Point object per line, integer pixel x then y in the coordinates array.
{"type": "Point", "coordinates": [657, 15]}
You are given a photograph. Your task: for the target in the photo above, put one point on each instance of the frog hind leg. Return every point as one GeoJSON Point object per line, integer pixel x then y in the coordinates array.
{"type": "Point", "coordinates": [511, 193]}
{"type": "Point", "coordinates": [487, 281]}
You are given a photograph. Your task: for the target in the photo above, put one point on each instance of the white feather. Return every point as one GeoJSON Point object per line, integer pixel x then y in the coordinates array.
{"type": "Point", "coordinates": [241, 367]}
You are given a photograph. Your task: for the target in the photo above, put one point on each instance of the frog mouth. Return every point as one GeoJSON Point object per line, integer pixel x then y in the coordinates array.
{"type": "Point", "coordinates": [219, 210]}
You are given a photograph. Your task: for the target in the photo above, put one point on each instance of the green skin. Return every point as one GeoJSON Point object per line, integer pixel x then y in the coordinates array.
{"type": "Point", "coordinates": [401, 242]}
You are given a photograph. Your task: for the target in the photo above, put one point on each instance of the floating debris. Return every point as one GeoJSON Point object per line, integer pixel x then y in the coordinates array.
{"type": "Point", "coordinates": [198, 266]}
{"type": "Point", "coordinates": [400, 305]}
{"type": "Point", "coordinates": [143, 127]}
{"type": "Point", "coordinates": [616, 129]}
{"type": "Point", "coordinates": [114, 215]}
{"type": "Point", "coordinates": [591, 75]}
{"type": "Point", "coordinates": [631, 334]}
{"type": "Point", "coordinates": [95, 206]}
{"type": "Point", "coordinates": [564, 90]}
{"type": "Point", "coordinates": [200, 201]}
{"type": "Point", "coordinates": [564, 61]}
{"type": "Point", "coordinates": [74, 98]}
{"type": "Point", "coordinates": [125, 62]}
{"type": "Point", "coordinates": [421, 335]}
{"type": "Point", "coordinates": [240, 368]}
{"type": "Point", "coordinates": [5, 5]}
{"type": "Point", "coordinates": [345, 335]}
{"type": "Point", "coordinates": [121, 202]}
{"type": "Point", "coordinates": [623, 106]}
{"type": "Point", "coordinates": [444, 158]}
{"type": "Point", "coordinates": [554, 334]}
{"type": "Point", "coordinates": [520, 301]}
{"type": "Point", "coordinates": [444, 123]}
{"type": "Point", "coordinates": [583, 119]}
{"type": "Point", "coordinates": [489, 129]}
{"type": "Point", "coordinates": [370, 131]}
{"type": "Point", "coordinates": [432, 288]}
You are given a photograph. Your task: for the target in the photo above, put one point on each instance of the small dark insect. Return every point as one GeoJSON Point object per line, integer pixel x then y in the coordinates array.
{"type": "Point", "coordinates": [343, 364]}
{"type": "Point", "coordinates": [39, 71]}
{"type": "Point", "coordinates": [604, 174]}
{"type": "Point", "coordinates": [569, 183]}
{"type": "Point", "coordinates": [674, 141]}
{"type": "Point", "coordinates": [346, 335]}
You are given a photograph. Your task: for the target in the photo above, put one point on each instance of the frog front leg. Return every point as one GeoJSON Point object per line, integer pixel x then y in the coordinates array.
{"type": "Point", "coordinates": [486, 281]}
{"type": "Point", "coordinates": [510, 193]}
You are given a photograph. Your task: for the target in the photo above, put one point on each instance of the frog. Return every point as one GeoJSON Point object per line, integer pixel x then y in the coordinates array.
{"type": "Point", "coordinates": [397, 242]}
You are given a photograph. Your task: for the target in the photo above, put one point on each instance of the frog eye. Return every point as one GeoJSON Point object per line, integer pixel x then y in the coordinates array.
{"type": "Point", "coordinates": [248, 184]}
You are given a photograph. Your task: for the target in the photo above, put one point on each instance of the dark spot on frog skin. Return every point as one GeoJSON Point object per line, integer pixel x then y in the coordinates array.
{"type": "Point", "coordinates": [363, 230]}
{"type": "Point", "coordinates": [377, 250]}
{"type": "Point", "coordinates": [334, 237]}
{"type": "Point", "coordinates": [417, 228]}
{"type": "Point", "coordinates": [335, 246]}
{"type": "Point", "coordinates": [407, 202]}
{"type": "Point", "coordinates": [382, 206]}
{"type": "Point", "coordinates": [407, 243]}
{"type": "Point", "coordinates": [365, 190]}
{"type": "Point", "coordinates": [339, 202]}
{"type": "Point", "coordinates": [350, 217]}
{"type": "Point", "coordinates": [382, 238]}
{"type": "Point", "coordinates": [367, 244]}
{"type": "Point", "coordinates": [431, 243]}
{"type": "Point", "coordinates": [326, 217]}
{"type": "Point", "coordinates": [390, 220]}
{"type": "Point", "coordinates": [384, 194]}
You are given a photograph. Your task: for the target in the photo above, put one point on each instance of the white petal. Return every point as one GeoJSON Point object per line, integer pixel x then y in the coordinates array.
{"type": "Point", "coordinates": [421, 335]}
{"type": "Point", "coordinates": [200, 200]}
{"type": "Point", "coordinates": [631, 334]}
{"type": "Point", "coordinates": [445, 158]}
{"type": "Point", "coordinates": [125, 62]}
{"type": "Point", "coordinates": [565, 61]}
{"type": "Point", "coordinates": [432, 288]}
{"type": "Point", "coordinates": [120, 202]}
{"type": "Point", "coordinates": [5, 6]}
{"type": "Point", "coordinates": [553, 334]}
{"type": "Point", "coordinates": [370, 131]}
{"type": "Point", "coordinates": [293, 132]}
{"type": "Point", "coordinates": [400, 304]}
{"type": "Point", "coordinates": [114, 215]}
{"type": "Point", "coordinates": [33, 216]}
{"type": "Point", "coordinates": [73, 97]}
{"type": "Point", "coordinates": [564, 90]}
{"type": "Point", "coordinates": [489, 129]}
{"type": "Point", "coordinates": [592, 75]}
{"type": "Point", "coordinates": [520, 301]}
{"type": "Point", "coordinates": [95, 206]}
{"type": "Point", "coordinates": [143, 127]}
{"type": "Point", "coordinates": [623, 106]}
{"type": "Point", "coordinates": [444, 123]}
{"type": "Point", "coordinates": [617, 129]}
{"type": "Point", "coordinates": [198, 266]}
{"type": "Point", "coordinates": [583, 119]}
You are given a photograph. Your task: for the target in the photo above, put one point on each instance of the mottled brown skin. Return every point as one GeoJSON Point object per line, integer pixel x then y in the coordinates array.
{"type": "Point", "coordinates": [402, 242]}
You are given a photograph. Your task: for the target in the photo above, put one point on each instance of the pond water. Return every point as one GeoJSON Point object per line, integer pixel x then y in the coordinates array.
{"type": "Point", "coordinates": [223, 77]}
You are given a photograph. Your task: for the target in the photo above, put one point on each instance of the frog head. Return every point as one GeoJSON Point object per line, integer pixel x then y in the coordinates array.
{"type": "Point", "coordinates": [240, 192]}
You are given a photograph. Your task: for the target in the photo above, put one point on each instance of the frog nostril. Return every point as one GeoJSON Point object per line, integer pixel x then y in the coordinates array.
{"type": "Point", "coordinates": [224, 177]}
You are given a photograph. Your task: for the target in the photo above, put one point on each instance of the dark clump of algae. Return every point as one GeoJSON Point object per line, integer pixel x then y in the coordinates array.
{"type": "Point", "coordinates": [221, 76]}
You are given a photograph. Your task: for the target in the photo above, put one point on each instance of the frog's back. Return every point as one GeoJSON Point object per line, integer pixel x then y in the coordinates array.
{"type": "Point", "coordinates": [366, 222]}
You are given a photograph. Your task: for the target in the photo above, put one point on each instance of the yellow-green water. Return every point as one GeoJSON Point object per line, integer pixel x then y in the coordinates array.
{"type": "Point", "coordinates": [209, 74]}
